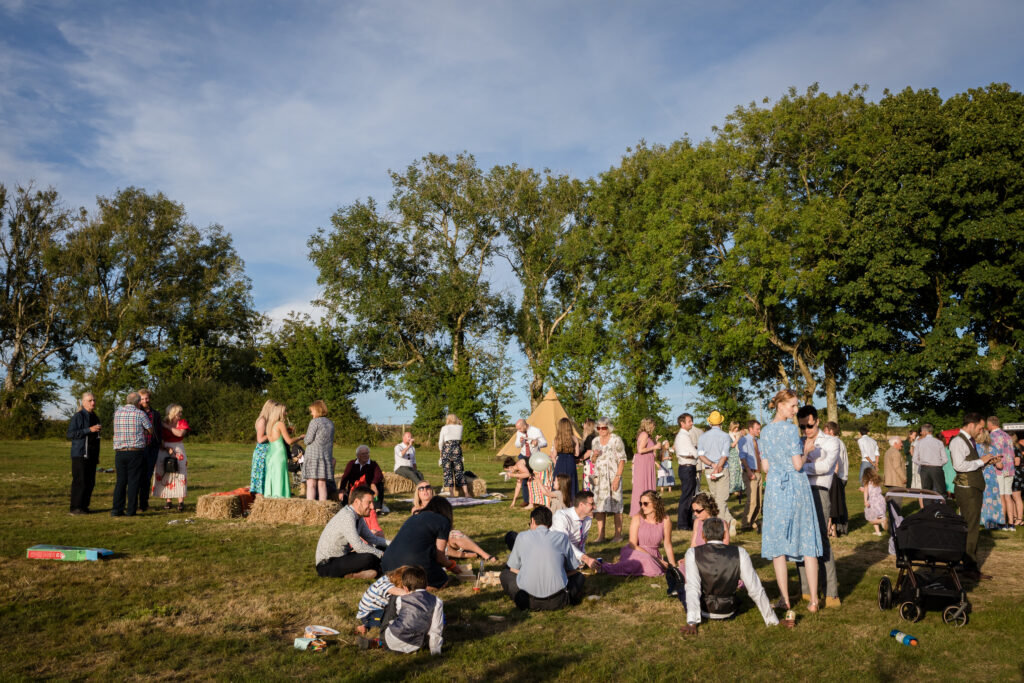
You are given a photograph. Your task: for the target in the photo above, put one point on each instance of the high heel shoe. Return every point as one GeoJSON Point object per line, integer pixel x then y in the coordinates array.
{"type": "Point", "coordinates": [781, 604]}
{"type": "Point", "coordinates": [812, 607]}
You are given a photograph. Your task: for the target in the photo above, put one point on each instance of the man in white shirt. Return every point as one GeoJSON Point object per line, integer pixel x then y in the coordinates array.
{"type": "Point", "coordinates": [686, 457]}
{"type": "Point", "coordinates": [529, 440]}
{"type": "Point", "coordinates": [575, 522]}
{"type": "Point", "coordinates": [868, 452]}
{"type": "Point", "coordinates": [930, 456]}
{"type": "Point", "coordinates": [405, 459]}
{"type": "Point", "coordinates": [750, 460]}
{"type": "Point", "coordinates": [822, 455]}
{"type": "Point", "coordinates": [837, 494]}
{"type": "Point", "coordinates": [713, 572]}
{"type": "Point", "coordinates": [969, 486]}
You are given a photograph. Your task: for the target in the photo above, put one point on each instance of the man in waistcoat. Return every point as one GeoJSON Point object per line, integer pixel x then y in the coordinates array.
{"type": "Point", "coordinates": [713, 572]}
{"type": "Point", "coordinates": [969, 486]}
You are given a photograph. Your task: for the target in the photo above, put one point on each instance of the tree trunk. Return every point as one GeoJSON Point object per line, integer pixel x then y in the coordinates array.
{"type": "Point", "coordinates": [831, 400]}
{"type": "Point", "coordinates": [536, 391]}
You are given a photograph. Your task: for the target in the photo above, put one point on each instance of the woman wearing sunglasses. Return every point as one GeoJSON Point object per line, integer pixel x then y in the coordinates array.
{"type": "Point", "coordinates": [648, 531]}
{"type": "Point", "coordinates": [460, 546]}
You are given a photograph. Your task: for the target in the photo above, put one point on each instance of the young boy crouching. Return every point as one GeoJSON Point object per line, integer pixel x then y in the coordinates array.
{"type": "Point", "coordinates": [411, 618]}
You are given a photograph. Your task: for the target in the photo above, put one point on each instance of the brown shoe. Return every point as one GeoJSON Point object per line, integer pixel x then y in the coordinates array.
{"type": "Point", "coordinates": [832, 602]}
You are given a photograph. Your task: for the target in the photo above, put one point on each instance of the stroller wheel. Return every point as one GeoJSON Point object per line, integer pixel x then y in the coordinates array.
{"type": "Point", "coordinates": [910, 612]}
{"type": "Point", "coordinates": [884, 593]}
{"type": "Point", "coordinates": [955, 615]}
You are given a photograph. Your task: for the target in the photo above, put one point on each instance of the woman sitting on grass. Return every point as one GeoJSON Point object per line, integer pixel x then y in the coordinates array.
{"type": "Point", "coordinates": [704, 508]}
{"type": "Point", "coordinates": [647, 532]}
{"type": "Point", "coordinates": [460, 546]}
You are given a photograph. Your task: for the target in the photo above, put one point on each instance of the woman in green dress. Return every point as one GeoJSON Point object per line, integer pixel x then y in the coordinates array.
{"type": "Point", "coordinates": [276, 484]}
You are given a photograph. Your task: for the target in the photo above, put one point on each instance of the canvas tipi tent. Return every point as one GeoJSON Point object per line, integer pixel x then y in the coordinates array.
{"type": "Point", "coordinates": [545, 417]}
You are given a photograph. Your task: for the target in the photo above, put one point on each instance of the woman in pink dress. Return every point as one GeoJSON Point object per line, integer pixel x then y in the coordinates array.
{"type": "Point", "coordinates": [645, 464]}
{"type": "Point", "coordinates": [648, 531]}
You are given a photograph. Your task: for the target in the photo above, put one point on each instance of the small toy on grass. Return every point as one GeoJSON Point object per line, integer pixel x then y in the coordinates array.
{"type": "Point", "coordinates": [903, 638]}
{"type": "Point", "coordinates": [67, 553]}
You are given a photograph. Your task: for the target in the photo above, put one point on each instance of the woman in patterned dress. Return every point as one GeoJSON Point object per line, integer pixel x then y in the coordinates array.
{"type": "Point", "coordinates": [259, 454]}
{"type": "Point", "coordinates": [790, 524]}
{"type": "Point", "coordinates": [735, 468]}
{"type": "Point", "coordinates": [317, 464]}
{"type": "Point", "coordinates": [172, 484]}
{"type": "Point", "coordinates": [449, 443]}
{"type": "Point", "coordinates": [991, 503]}
{"type": "Point", "coordinates": [589, 434]}
{"type": "Point", "coordinates": [609, 456]}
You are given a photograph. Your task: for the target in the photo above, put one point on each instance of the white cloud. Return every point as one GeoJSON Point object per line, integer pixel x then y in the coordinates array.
{"type": "Point", "coordinates": [267, 124]}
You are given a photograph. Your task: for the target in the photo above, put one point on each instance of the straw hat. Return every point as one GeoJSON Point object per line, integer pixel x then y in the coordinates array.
{"type": "Point", "coordinates": [715, 418]}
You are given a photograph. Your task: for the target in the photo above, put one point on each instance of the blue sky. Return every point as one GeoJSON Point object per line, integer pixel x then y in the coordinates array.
{"type": "Point", "coordinates": [265, 117]}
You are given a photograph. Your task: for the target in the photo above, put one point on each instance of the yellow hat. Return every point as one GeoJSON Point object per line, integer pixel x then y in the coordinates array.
{"type": "Point", "coordinates": [715, 418]}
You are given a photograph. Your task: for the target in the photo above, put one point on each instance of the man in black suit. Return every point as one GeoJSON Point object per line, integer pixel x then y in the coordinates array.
{"type": "Point", "coordinates": [84, 432]}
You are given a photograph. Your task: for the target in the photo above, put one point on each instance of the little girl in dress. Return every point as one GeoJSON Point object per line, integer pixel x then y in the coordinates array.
{"type": "Point", "coordinates": [874, 503]}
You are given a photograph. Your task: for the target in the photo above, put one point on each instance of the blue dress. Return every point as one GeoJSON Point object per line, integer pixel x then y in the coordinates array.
{"type": "Point", "coordinates": [790, 520]}
{"type": "Point", "coordinates": [991, 503]}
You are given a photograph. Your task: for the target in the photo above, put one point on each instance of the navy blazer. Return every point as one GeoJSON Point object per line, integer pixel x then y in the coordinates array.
{"type": "Point", "coordinates": [84, 442]}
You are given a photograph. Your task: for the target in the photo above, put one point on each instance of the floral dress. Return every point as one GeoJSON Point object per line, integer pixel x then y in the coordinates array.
{"type": "Point", "coordinates": [991, 503]}
{"type": "Point", "coordinates": [171, 484]}
{"type": "Point", "coordinates": [790, 521]}
{"type": "Point", "coordinates": [607, 459]}
{"type": "Point", "coordinates": [735, 470]}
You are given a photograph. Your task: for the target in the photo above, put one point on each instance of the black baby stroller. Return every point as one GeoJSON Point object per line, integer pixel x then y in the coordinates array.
{"type": "Point", "coordinates": [929, 545]}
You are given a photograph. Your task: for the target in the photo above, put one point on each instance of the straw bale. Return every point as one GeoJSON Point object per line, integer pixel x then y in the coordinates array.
{"type": "Point", "coordinates": [211, 506]}
{"type": "Point", "coordinates": [477, 487]}
{"type": "Point", "coordinates": [293, 511]}
{"type": "Point", "coordinates": [396, 483]}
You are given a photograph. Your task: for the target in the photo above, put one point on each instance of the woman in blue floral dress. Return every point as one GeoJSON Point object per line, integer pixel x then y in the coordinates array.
{"type": "Point", "coordinates": [991, 503]}
{"type": "Point", "coordinates": [790, 524]}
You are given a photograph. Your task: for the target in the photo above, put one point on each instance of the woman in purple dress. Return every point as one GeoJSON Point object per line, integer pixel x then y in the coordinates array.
{"type": "Point", "coordinates": [645, 464]}
{"type": "Point", "coordinates": [648, 531]}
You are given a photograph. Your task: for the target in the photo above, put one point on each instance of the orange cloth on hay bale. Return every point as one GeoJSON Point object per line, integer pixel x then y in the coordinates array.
{"type": "Point", "coordinates": [243, 495]}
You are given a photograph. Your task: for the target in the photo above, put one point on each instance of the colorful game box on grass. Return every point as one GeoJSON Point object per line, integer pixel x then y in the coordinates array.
{"type": "Point", "coordinates": [67, 553]}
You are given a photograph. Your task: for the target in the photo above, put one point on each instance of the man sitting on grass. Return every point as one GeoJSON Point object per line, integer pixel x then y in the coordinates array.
{"type": "Point", "coordinates": [541, 573]}
{"type": "Point", "coordinates": [347, 548]}
{"type": "Point", "coordinates": [713, 572]}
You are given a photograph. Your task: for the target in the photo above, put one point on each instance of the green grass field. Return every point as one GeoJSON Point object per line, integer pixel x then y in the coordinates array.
{"type": "Point", "coordinates": [224, 600]}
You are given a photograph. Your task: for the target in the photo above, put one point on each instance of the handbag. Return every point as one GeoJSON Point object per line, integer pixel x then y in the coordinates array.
{"type": "Point", "coordinates": [170, 464]}
{"type": "Point", "coordinates": [675, 580]}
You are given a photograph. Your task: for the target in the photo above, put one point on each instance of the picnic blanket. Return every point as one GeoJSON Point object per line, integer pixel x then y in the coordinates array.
{"type": "Point", "coordinates": [461, 502]}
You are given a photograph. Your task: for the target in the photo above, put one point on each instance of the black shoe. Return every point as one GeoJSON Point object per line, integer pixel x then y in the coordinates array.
{"type": "Point", "coordinates": [117, 514]}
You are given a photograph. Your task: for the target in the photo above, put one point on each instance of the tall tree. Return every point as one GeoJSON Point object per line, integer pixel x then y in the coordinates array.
{"type": "Point", "coordinates": [149, 279]}
{"type": "Point", "coordinates": [941, 217]}
{"type": "Point", "coordinates": [308, 362]}
{"type": "Point", "coordinates": [38, 326]}
{"type": "Point", "coordinates": [413, 284]}
{"type": "Point", "coordinates": [548, 240]}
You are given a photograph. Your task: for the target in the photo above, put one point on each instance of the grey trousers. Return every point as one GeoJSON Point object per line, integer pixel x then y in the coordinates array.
{"type": "Point", "coordinates": [719, 490]}
{"type": "Point", "coordinates": [823, 509]}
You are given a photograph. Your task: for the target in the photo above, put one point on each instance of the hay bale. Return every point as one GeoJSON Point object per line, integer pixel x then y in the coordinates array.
{"type": "Point", "coordinates": [212, 506]}
{"type": "Point", "coordinates": [293, 511]}
{"type": "Point", "coordinates": [396, 483]}
{"type": "Point", "coordinates": [477, 487]}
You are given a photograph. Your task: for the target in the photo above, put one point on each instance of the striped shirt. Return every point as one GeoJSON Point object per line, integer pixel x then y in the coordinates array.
{"type": "Point", "coordinates": [130, 425]}
{"type": "Point", "coordinates": [375, 598]}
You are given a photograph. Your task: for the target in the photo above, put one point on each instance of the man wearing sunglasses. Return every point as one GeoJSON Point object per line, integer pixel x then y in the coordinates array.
{"type": "Point", "coordinates": [822, 452]}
